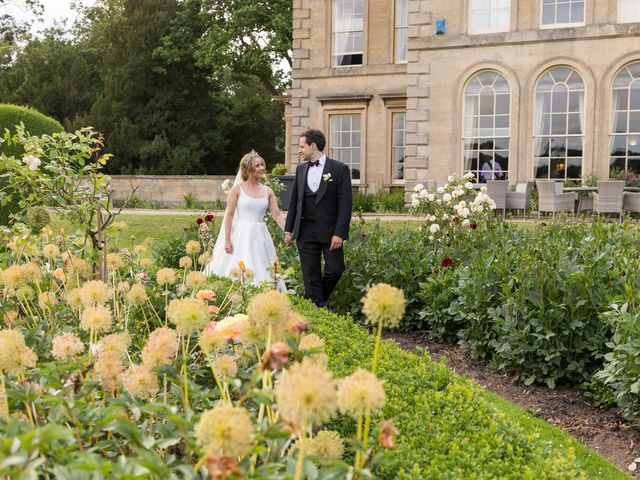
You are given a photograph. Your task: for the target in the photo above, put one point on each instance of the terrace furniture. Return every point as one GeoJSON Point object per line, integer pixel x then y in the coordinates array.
{"type": "Point", "coordinates": [497, 191]}
{"type": "Point", "coordinates": [521, 198]}
{"type": "Point", "coordinates": [552, 199]}
{"type": "Point", "coordinates": [609, 196]}
{"type": "Point", "coordinates": [631, 202]}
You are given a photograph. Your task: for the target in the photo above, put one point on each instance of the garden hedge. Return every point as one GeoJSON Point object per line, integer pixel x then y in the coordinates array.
{"type": "Point", "coordinates": [449, 428]}
{"type": "Point", "coordinates": [35, 123]}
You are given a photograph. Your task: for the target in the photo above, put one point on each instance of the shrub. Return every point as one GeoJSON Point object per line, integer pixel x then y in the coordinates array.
{"type": "Point", "coordinates": [36, 124]}
{"type": "Point", "coordinates": [448, 427]}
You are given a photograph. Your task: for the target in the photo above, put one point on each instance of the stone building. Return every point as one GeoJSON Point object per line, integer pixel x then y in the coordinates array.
{"type": "Point", "coordinates": [410, 90]}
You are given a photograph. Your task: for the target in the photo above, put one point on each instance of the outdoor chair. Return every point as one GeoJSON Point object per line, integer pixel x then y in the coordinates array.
{"type": "Point", "coordinates": [497, 191]}
{"type": "Point", "coordinates": [552, 199]}
{"type": "Point", "coordinates": [609, 197]}
{"type": "Point", "coordinates": [631, 202]}
{"type": "Point", "coordinates": [521, 198]}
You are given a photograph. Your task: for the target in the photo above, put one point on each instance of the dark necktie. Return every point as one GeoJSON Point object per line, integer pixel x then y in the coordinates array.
{"type": "Point", "coordinates": [314, 164]}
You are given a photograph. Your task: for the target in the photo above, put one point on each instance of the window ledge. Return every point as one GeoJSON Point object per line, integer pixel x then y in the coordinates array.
{"type": "Point", "coordinates": [344, 98]}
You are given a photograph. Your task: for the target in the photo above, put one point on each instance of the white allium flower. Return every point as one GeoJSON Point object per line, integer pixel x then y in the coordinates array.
{"type": "Point", "coordinates": [418, 187]}
{"type": "Point", "coordinates": [434, 228]}
{"type": "Point", "coordinates": [446, 197]}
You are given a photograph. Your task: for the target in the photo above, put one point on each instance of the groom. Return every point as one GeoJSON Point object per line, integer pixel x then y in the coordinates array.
{"type": "Point", "coordinates": [319, 215]}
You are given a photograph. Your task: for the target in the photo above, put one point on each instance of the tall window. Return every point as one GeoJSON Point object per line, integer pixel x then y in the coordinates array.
{"type": "Point", "coordinates": [348, 32]}
{"type": "Point", "coordinates": [344, 141]}
{"type": "Point", "coordinates": [398, 144]}
{"type": "Point", "coordinates": [486, 16]}
{"type": "Point", "coordinates": [402, 28]}
{"type": "Point", "coordinates": [486, 126]}
{"type": "Point", "coordinates": [562, 12]}
{"type": "Point", "coordinates": [628, 11]}
{"type": "Point", "coordinates": [558, 130]}
{"type": "Point", "coordinates": [625, 124]}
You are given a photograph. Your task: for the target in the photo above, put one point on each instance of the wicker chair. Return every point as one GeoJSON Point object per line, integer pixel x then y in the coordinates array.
{"type": "Point", "coordinates": [609, 197]}
{"type": "Point", "coordinates": [497, 190]}
{"type": "Point", "coordinates": [552, 199]}
{"type": "Point", "coordinates": [521, 198]}
{"type": "Point", "coordinates": [631, 202]}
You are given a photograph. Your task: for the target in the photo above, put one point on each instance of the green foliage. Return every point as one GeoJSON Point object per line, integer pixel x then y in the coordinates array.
{"type": "Point", "coordinates": [448, 427]}
{"type": "Point", "coordinates": [279, 169]}
{"type": "Point", "coordinates": [36, 124]}
{"type": "Point", "coordinates": [379, 202]}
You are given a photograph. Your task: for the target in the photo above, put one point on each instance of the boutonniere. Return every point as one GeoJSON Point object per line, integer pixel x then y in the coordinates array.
{"type": "Point", "coordinates": [327, 177]}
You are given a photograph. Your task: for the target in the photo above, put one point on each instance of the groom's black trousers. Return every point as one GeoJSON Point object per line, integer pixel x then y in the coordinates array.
{"type": "Point", "coordinates": [318, 287]}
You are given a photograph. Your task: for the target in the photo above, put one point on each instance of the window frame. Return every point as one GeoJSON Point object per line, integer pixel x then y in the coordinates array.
{"type": "Point", "coordinates": [618, 11]}
{"type": "Point", "coordinates": [393, 111]}
{"type": "Point", "coordinates": [563, 25]}
{"type": "Point", "coordinates": [464, 137]}
{"type": "Point", "coordinates": [395, 33]}
{"type": "Point", "coordinates": [332, 36]}
{"type": "Point", "coordinates": [612, 127]}
{"type": "Point", "coordinates": [344, 111]}
{"type": "Point", "coordinates": [470, 31]}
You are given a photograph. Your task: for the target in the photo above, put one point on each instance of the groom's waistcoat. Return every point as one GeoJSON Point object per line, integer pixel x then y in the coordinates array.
{"type": "Point", "coordinates": [308, 204]}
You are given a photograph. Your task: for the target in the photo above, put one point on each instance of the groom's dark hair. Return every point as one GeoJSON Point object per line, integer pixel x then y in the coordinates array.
{"type": "Point", "coordinates": [314, 136]}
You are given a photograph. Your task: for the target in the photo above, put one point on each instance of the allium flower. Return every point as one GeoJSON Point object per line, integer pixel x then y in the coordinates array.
{"type": "Point", "coordinates": [139, 381]}
{"type": "Point", "coordinates": [306, 394]}
{"type": "Point", "coordinates": [77, 266]}
{"type": "Point", "coordinates": [15, 276]}
{"type": "Point", "coordinates": [233, 328]}
{"type": "Point", "coordinates": [206, 295]}
{"type": "Point", "coordinates": [120, 227]}
{"type": "Point", "coordinates": [235, 273]}
{"type": "Point", "coordinates": [137, 295]}
{"type": "Point", "coordinates": [360, 393]}
{"type": "Point", "coordinates": [315, 343]}
{"type": "Point", "coordinates": [146, 263]}
{"type": "Point", "coordinates": [195, 280]}
{"type": "Point", "coordinates": [188, 314]}
{"type": "Point", "coordinates": [25, 293]}
{"type": "Point", "coordinates": [269, 310]}
{"type": "Point", "coordinates": [116, 342]}
{"type": "Point", "coordinates": [123, 286]}
{"type": "Point", "coordinates": [139, 250]}
{"type": "Point", "coordinates": [51, 251]}
{"type": "Point", "coordinates": [185, 262]}
{"type": "Point", "coordinates": [94, 293]}
{"type": "Point", "coordinates": [161, 347]}
{"type": "Point", "coordinates": [66, 345]}
{"type": "Point", "coordinates": [225, 431]}
{"type": "Point", "coordinates": [108, 368]}
{"type": "Point", "coordinates": [114, 261]}
{"type": "Point", "coordinates": [211, 340]}
{"type": "Point", "coordinates": [384, 303]}
{"type": "Point", "coordinates": [15, 356]}
{"type": "Point", "coordinates": [204, 258]}
{"type": "Point", "coordinates": [47, 300]}
{"type": "Point", "coordinates": [97, 318]}
{"type": "Point", "coordinates": [225, 367]}
{"type": "Point", "coordinates": [326, 444]}
{"type": "Point", "coordinates": [10, 317]}
{"type": "Point", "coordinates": [193, 247]}
{"type": "Point", "coordinates": [73, 298]}
{"type": "Point", "coordinates": [166, 276]}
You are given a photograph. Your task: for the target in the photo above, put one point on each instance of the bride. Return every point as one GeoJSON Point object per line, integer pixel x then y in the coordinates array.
{"type": "Point", "coordinates": [243, 235]}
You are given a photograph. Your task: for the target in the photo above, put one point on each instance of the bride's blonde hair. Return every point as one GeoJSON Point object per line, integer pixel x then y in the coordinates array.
{"type": "Point", "coordinates": [246, 164]}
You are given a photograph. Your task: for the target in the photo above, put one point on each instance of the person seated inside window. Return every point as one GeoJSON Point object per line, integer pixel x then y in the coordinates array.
{"type": "Point", "coordinates": [491, 170]}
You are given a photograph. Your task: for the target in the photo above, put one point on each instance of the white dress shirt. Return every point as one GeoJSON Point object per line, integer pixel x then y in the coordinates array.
{"type": "Point", "coordinates": [314, 174]}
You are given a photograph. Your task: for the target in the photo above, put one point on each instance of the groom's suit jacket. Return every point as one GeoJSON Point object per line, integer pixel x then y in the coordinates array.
{"type": "Point", "coordinates": [333, 201]}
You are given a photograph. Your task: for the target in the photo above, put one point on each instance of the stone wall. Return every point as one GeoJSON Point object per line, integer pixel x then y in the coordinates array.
{"type": "Point", "coordinates": [168, 190]}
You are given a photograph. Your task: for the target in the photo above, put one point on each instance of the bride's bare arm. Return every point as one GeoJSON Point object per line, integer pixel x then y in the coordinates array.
{"type": "Point", "coordinates": [277, 215]}
{"type": "Point", "coordinates": [232, 202]}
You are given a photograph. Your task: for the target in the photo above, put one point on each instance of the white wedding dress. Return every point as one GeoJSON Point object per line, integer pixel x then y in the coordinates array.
{"type": "Point", "coordinates": [251, 241]}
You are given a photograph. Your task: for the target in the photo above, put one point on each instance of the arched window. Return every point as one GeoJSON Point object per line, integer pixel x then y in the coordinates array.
{"type": "Point", "coordinates": [558, 124]}
{"type": "Point", "coordinates": [625, 122]}
{"type": "Point", "coordinates": [486, 125]}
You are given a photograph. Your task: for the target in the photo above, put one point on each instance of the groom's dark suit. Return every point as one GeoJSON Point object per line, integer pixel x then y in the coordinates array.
{"type": "Point", "coordinates": [313, 218]}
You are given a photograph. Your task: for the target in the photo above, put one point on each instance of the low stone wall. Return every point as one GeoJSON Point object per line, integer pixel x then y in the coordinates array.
{"type": "Point", "coordinates": [168, 190]}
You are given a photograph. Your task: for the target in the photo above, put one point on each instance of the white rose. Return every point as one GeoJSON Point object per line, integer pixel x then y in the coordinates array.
{"type": "Point", "coordinates": [468, 185]}
{"type": "Point", "coordinates": [439, 201]}
{"type": "Point", "coordinates": [32, 162]}
{"type": "Point", "coordinates": [445, 216]}
{"type": "Point", "coordinates": [415, 203]}
{"type": "Point", "coordinates": [446, 197]}
{"type": "Point", "coordinates": [440, 190]}
{"type": "Point", "coordinates": [468, 176]}
{"type": "Point", "coordinates": [462, 203]}
{"type": "Point", "coordinates": [431, 238]}
{"type": "Point", "coordinates": [450, 178]}
{"type": "Point", "coordinates": [434, 228]}
{"type": "Point", "coordinates": [414, 196]}
{"type": "Point", "coordinates": [424, 193]}
{"type": "Point", "coordinates": [431, 197]}
{"type": "Point", "coordinates": [479, 208]}
{"type": "Point", "coordinates": [432, 218]}
{"type": "Point", "coordinates": [465, 222]}
{"type": "Point", "coordinates": [464, 212]}
{"type": "Point", "coordinates": [483, 188]}
{"type": "Point", "coordinates": [418, 187]}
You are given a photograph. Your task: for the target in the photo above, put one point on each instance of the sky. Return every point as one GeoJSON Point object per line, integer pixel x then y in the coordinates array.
{"type": "Point", "coordinates": [53, 10]}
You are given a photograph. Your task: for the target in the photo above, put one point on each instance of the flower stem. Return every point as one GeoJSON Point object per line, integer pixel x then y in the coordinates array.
{"type": "Point", "coordinates": [376, 350]}
{"type": "Point", "coordinates": [300, 462]}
